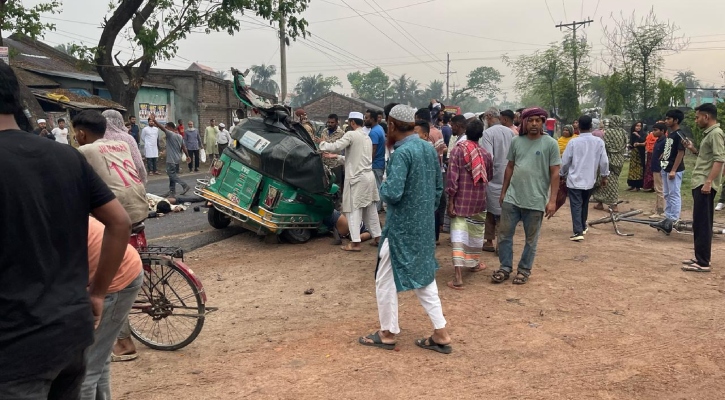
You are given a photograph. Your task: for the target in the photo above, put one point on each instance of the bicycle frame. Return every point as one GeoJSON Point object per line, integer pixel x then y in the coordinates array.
{"type": "Point", "coordinates": [681, 226]}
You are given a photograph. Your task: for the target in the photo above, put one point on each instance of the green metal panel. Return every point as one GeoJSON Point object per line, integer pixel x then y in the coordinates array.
{"type": "Point", "coordinates": [240, 184]}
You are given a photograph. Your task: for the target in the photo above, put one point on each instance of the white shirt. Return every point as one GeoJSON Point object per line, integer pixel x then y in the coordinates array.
{"type": "Point", "coordinates": [150, 139]}
{"type": "Point", "coordinates": [223, 137]}
{"type": "Point", "coordinates": [61, 135]}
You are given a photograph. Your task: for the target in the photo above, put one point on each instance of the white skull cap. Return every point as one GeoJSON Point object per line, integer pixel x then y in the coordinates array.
{"type": "Point", "coordinates": [356, 115]}
{"type": "Point", "coordinates": [403, 113]}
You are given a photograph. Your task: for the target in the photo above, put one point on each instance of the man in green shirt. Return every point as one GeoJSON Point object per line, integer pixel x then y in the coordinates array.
{"type": "Point", "coordinates": [530, 186]}
{"type": "Point", "coordinates": [706, 176]}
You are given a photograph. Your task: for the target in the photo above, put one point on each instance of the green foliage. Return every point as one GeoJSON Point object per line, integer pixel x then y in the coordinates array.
{"type": "Point", "coordinates": [435, 90]}
{"type": "Point", "coordinates": [669, 94]}
{"type": "Point", "coordinates": [547, 76]}
{"type": "Point", "coordinates": [697, 133]}
{"type": "Point", "coordinates": [312, 87]}
{"type": "Point", "coordinates": [15, 17]}
{"type": "Point", "coordinates": [372, 86]}
{"type": "Point", "coordinates": [263, 78]}
{"type": "Point", "coordinates": [636, 47]}
{"type": "Point", "coordinates": [154, 28]}
{"type": "Point", "coordinates": [65, 48]}
{"type": "Point", "coordinates": [613, 93]}
{"type": "Point", "coordinates": [482, 83]}
{"type": "Point", "coordinates": [407, 91]}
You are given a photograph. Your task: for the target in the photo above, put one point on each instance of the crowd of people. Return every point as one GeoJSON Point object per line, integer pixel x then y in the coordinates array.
{"type": "Point", "coordinates": [490, 173]}
{"type": "Point", "coordinates": [66, 297]}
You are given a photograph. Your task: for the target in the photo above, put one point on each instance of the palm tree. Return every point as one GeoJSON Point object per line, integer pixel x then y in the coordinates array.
{"type": "Point", "coordinates": [314, 86]}
{"type": "Point", "coordinates": [221, 75]}
{"type": "Point", "coordinates": [687, 78]}
{"type": "Point", "coordinates": [434, 91]}
{"type": "Point", "coordinates": [263, 78]}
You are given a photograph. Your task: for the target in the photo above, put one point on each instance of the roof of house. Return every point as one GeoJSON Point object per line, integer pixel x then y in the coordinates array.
{"type": "Point", "coordinates": [366, 104]}
{"type": "Point", "coordinates": [199, 67]}
{"type": "Point", "coordinates": [31, 79]}
{"type": "Point", "coordinates": [79, 99]}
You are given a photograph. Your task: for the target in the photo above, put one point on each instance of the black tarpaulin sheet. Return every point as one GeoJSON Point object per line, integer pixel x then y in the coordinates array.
{"type": "Point", "coordinates": [279, 154]}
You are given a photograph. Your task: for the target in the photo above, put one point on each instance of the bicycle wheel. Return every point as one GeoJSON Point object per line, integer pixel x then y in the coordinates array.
{"type": "Point", "coordinates": [606, 220]}
{"type": "Point", "coordinates": [168, 313]}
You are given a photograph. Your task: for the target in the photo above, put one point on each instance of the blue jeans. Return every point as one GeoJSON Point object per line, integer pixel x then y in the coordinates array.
{"type": "Point", "coordinates": [673, 198]}
{"type": "Point", "coordinates": [379, 181]}
{"type": "Point", "coordinates": [172, 170]}
{"type": "Point", "coordinates": [97, 384]}
{"type": "Point", "coordinates": [152, 164]}
{"type": "Point", "coordinates": [511, 215]}
{"type": "Point", "coordinates": [579, 204]}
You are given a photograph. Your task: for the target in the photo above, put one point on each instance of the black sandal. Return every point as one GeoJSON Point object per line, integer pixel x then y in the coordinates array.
{"type": "Point", "coordinates": [376, 341]}
{"type": "Point", "coordinates": [432, 345]}
{"type": "Point", "coordinates": [520, 278]}
{"type": "Point", "coordinates": [500, 276]}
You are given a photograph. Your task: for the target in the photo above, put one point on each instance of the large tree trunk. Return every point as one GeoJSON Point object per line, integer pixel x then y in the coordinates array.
{"type": "Point", "coordinates": [105, 63]}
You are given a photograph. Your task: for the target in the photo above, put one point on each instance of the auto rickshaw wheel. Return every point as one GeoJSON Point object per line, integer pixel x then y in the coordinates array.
{"type": "Point", "coordinates": [217, 219]}
{"type": "Point", "coordinates": [297, 236]}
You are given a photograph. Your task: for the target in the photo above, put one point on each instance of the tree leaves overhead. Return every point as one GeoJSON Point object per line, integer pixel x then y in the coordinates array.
{"type": "Point", "coordinates": [482, 82]}
{"type": "Point", "coordinates": [154, 28]}
{"type": "Point", "coordinates": [313, 86]}
{"type": "Point", "coordinates": [15, 17]}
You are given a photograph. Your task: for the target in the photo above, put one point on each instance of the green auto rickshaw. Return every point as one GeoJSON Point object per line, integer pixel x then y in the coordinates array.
{"type": "Point", "coordinates": [270, 178]}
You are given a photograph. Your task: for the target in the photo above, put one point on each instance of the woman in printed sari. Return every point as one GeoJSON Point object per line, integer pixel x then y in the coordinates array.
{"type": "Point", "coordinates": [469, 167]}
{"type": "Point", "coordinates": [615, 141]}
{"type": "Point", "coordinates": [637, 162]}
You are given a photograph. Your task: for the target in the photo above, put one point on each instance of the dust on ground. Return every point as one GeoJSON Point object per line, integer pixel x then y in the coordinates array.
{"type": "Point", "coordinates": [608, 318]}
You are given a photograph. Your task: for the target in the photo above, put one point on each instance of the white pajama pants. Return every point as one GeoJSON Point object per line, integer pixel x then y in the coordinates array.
{"type": "Point", "coordinates": [387, 296]}
{"type": "Point", "coordinates": [355, 218]}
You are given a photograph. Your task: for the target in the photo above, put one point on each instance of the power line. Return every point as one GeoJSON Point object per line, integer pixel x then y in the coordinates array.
{"type": "Point", "coordinates": [549, 10]}
{"type": "Point", "coordinates": [564, 5]}
{"type": "Point", "coordinates": [386, 35]}
{"type": "Point", "coordinates": [596, 8]}
{"type": "Point", "coordinates": [406, 34]}
{"type": "Point", "coordinates": [365, 14]}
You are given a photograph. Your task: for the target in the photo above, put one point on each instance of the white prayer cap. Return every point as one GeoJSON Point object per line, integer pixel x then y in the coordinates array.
{"type": "Point", "coordinates": [595, 123]}
{"type": "Point", "coordinates": [236, 120]}
{"type": "Point", "coordinates": [469, 115]}
{"type": "Point", "coordinates": [41, 121]}
{"type": "Point", "coordinates": [403, 113]}
{"type": "Point", "coordinates": [222, 126]}
{"type": "Point", "coordinates": [356, 115]}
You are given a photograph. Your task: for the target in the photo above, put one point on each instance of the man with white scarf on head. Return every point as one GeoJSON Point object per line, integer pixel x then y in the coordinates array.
{"type": "Point", "coordinates": [360, 192]}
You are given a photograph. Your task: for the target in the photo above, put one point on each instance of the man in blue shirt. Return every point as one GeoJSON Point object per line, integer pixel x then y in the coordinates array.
{"type": "Point", "coordinates": [134, 129]}
{"type": "Point", "coordinates": [377, 136]}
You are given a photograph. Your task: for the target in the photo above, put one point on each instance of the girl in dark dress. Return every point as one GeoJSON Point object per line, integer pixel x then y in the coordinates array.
{"type": "Point", "coordinates": [637, 138]}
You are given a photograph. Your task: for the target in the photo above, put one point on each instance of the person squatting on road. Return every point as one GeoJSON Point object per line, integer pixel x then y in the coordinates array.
{"type": "Point", "coordinates": [406, 256]}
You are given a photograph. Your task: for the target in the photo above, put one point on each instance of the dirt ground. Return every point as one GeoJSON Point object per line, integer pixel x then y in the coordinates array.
{"type": "Point", "coordinates": [609, 318]}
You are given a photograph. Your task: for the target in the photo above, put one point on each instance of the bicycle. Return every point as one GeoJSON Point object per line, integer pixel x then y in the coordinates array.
{"type": "Point", "coordinates": [170, 309]}
{"type": "Point", "coordinates": [680, 226]}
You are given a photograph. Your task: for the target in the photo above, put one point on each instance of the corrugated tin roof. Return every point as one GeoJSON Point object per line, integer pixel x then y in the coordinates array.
{"type": "Point", "coordinates": [366, 104]}
{"type": "Point", "coordinates": [35, 54]}
{"type": "Point", "coordinates": [92, 78]}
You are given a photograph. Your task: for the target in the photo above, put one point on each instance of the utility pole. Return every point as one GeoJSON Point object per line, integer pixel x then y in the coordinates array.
{"type": "Point", "coordinates": [283, 58]}
{"type": "Point", "coordinates": [573, 27]}
{"type": "Point", "coordinates": [448, 75]}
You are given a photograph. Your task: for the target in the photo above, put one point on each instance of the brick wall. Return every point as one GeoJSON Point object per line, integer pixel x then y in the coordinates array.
{"type": "Point", "coordinates": [333, 103]}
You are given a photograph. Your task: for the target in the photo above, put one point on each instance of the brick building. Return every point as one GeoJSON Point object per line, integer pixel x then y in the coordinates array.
{"type": "Point", "coordinates": [335, 103]}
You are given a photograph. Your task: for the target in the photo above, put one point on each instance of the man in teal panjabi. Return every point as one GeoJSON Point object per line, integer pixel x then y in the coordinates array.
{"type": "Point", "coordinates": [406, 259]}
{"type": "Point", "coordinates": [530, 186]}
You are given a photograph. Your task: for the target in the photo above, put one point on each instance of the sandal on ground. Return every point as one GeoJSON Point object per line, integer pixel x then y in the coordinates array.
{"type": "Point", "coordinates": [432, 345]}
{"type": "Point", "coordinates": [695, 268]}
{"type": "Point", "coordinates": [348, 247]}
{"type": "Point", "coordinates": [376, 341]}
{"type": "Point", "coordinates": [489, 249]}
{"type": "Point", "coordinates": [374, 243]}
{"type": "Point", "coordinates": [124, 357]}
{"type": "Point", "coordinates": [455, 286]}
{"type": "Point", "coordinates": [499, 276]}
{"type": "Point", "coordinates": [690, 261]}
{"type": "Point", "coordinates": [520, 279]}
{"type": "Point", "coordinates": [477, 268]}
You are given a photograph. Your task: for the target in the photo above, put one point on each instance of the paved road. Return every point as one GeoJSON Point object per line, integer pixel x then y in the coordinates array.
{"type": "Point", "coordinates": [188, 230]}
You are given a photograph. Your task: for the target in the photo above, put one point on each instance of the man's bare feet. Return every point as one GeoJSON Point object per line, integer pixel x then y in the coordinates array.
{"type": "Point", "coordinates": [352, 246]}
{"type": "Point", "coordinates": [456, 286]}
{"type": "Point", "coordinates": [124, 347]}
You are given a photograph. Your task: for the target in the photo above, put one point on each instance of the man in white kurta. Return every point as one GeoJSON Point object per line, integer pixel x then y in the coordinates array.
{"type": "Point", "coordinates": [360, 192]}
{"type": "Point", "coordinates": [150, 140]}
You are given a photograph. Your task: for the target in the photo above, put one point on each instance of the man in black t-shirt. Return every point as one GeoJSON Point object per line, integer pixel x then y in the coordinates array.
{"type": "Point", "coordinates": [672, 165]}
{"type": "Point", "coordinates": [47, 305]}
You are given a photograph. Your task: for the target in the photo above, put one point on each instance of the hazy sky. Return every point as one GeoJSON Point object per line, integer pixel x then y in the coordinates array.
{"type": "Point", "coordinates": [474, 32]}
